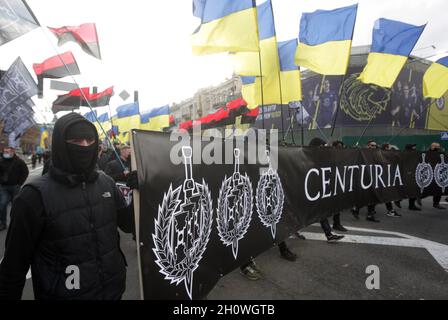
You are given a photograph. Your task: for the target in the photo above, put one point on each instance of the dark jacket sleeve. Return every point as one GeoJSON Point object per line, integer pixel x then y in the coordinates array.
{"type": "Point", "coordinates": [23, 172]}
{"type": "Point", "coordinates": [115, 171]}
{"type": "Point", "coordinates": [27, 223]}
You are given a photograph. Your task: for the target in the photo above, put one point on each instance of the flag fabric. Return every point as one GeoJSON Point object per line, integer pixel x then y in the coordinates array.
{"type": "Point", "coordinates": [250, 117]}
{"type": "Point", "coordinates": [43, 138]}
{"type": "Point", "coordinates": [289, 72]}
{"type": "Point", "coordinates": [70, 101]}
{"type": "Point", "coordinates": [91, 116]}
{"type": "Point", "coordinates": [128, 118]}
{"type": "Point", "coordinates": [16, 19]}
{"type": "Point", "coordinates": [392, 43]}
{"type": "Point", "coordinates": [82, 97]}
{"type": "Point", "coordinates": [435, 79]}
{"type": "Point", "coordinates": [251, 91]}
{"type": "Point", "coordinates": [85, 35]}
{"type": "Point", "coordinates": [58, 66]}
{"type": "Point", "coordinates": [104, 122]}
{"type": "Point", "coordinates": [325, 40]}
{"type": "Point", "coordinates": [55, 67]}
{"type": "Point", "coordinates": [99, 99]}
{"type": "Point", "coordinates": [17, 115]}
{"type": "Point", "coordinates": [17, 86]}
{"type": "Point", "coordinates": [156, 119]}
{"type": "Point", "coordinates": [23, 126]}
{"type": "Point", "coordinates": [226, 26]}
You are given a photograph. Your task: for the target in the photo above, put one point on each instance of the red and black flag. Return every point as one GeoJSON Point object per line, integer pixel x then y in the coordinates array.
{"type": "Point", "coordinates": [251, 116]}
{"type": "Point", "coordinates": [16, 19]}
{"type": "Point", "coordinates": [82, 97]}
{"type": "Point", "coordinates": [70, 101]}
{"type": "Point", "coordinates": [85, 35]}
{"type": "Point", "coordinates": [100, 99]}
{"type": "Point", "coordinates": [55, 67]}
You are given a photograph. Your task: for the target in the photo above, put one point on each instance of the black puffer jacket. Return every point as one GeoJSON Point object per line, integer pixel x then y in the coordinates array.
{"type": "Point", "coordinates": [13, 172]}
{"type": "Point", "coordinates": [62, 220]}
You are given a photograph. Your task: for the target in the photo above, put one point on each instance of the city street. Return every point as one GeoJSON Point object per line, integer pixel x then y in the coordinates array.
{"type": "Point", "coordinates": [411, 253]}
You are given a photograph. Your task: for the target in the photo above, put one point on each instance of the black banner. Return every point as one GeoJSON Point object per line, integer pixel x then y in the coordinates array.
{"type": "Point", "coordinates": [198, 219]}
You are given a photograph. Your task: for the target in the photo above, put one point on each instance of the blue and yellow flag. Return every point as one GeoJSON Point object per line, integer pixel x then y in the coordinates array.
{"type": "Point", "coordinates": [104, 120]}
{"type": "Point", "coordinates": [44, 138]}
{"type": "Point", "coordinates": [128, 118]}
{"type": "Point", "coordinates": [226, 26]}
{"type": "Point", "coordinates": [251, 91]}
{"type": "Point", "coordinates": [325, 40]}
{"type": "Point", "coordinates": [435, 80]}
{"type": "Point", "coordinates": [155, 119]}
{"type": "Point", "coordinates": [289, 73]}
{"type": "Point", "coordinates": [392, 42]}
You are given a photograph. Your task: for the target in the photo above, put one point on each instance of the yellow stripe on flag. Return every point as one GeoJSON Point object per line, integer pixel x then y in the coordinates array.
{"type": "Point", "coordinates": [435, 81]}
{"type": "Point", "coordinates": [156, 123]}
{"type": "Point", "coordinates": [251, 94]}
{"type": "Point", "coordinates": [382, 69]}
{"type": "Point", "coordinates": [246, 63]}
{"type": "Point", "coordinates": [291, 86]}
{"type": "Point", "coordinates": [329, 58]}
{"type": "Point", "coordinates": [233, 33]}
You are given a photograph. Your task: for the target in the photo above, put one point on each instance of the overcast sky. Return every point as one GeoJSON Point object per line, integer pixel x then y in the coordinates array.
{"type": "Point", "coordinates": [145, 45]}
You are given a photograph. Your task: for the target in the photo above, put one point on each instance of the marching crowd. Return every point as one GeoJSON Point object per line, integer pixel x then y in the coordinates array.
{"type": "Point", "coordinates": [70, 215]}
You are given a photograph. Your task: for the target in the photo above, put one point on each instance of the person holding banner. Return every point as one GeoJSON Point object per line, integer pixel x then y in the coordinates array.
{"type": "Point", "coordinates": [64, 225]}
{"type": "Point", "coordinates": [435, 147]}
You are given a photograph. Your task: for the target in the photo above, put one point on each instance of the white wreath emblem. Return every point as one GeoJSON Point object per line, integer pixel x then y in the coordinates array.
{"type": "Point", "coordinates": [235, 203]}
{"type": "Point", "coordinates": [441, 173]}
{"type": "Point", "coordinates": [423, 174]}
{"type": "Point", "coordinates": [182, 228]}
{"type": "Point", "coordinates": [270, 198]}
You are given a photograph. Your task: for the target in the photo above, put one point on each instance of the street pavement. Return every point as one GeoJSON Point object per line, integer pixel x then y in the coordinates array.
{"type": "Point", "coordinates": [411, 254]}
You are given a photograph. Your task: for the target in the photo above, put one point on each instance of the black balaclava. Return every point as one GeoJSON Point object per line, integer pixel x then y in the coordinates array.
{"type": "Point", "coordinates": [70, 158]}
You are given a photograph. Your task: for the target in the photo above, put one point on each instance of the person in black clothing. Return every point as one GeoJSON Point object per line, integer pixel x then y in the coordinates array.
{"type": "Point", "coordinates": [325, 225]}
{"type": "Point", "coordinates": [67, 218]}
{"type": "Point", "coordinates": [412, 206]}
{"type": "Point", "coordinates": [371, 207]}
{"type": "Point", "coordinates": [13, 173]}
{"type": "Point", "coordinates": [115, 169]}
{"type": "Point", "coordinates": [47, 160]}
{"type": "Point", "coordinates": [435, 147]}
{"type": "Point", "coordinates": [33, 159]}
{"type": "Point", "coordinates": [389, 207]}
{"type": "Point", "coordinates": [103, 157]}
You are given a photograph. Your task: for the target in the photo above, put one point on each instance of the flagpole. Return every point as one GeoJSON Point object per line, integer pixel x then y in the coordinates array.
{"type": "Point", "coordinates": [85, 98]}
{"type": "Point", "coordinates": [279, 76]}
{"type": "Point", "coordinates": [413, 120]}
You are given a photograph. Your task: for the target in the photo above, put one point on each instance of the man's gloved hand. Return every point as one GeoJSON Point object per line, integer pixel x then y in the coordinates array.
{"type": "Point", "coordinates": [132, 180]}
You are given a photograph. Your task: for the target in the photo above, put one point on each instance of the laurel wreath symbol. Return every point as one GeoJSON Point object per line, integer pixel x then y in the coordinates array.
{"type": "Point", "coordinates": [228, 236]}
{"type": "Point", "coordinates": [270, 220]}
{"type": "Point", "coordinates": [441, 174]}
{"type": "Point", "coordinates": [169, 267]}
{"type": "Point", "coordinates": [424, 174]}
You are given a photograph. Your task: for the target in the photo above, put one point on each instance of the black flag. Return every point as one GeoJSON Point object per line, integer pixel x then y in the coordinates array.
{"type": "Point", "coordinates": [16, 19]}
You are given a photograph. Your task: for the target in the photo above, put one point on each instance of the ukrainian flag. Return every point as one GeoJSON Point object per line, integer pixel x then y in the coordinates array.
{"type": "Point", "coordinates": [43, 138]}
{"type": "Point", "coordinates": [435, 80]}
{"type": "Point", "coordinates": [156, 119]}
{"type": "Point", "coordinates": [226, 26]}
{"type": "Point", "coordinates": [325, 40]}
{"type": "Point", "coordinates": [250, 90]}
{"type": "Point", "coordinates": [289, 72]}
{"type": "Point", "coordinates": [90, 116]}
{"type": "Point", "coordinates": [392, 42]}
{"type": "Point", "coordinates": [105, 124]}
{"type": "Point", "coordinates": [128, 118]}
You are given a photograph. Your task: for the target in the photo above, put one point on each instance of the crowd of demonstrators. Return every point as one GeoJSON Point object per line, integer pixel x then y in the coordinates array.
{"type": "Point", "coordinates": [67, 217]}
{"type": "Point", "coordinates": [13, 174]}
